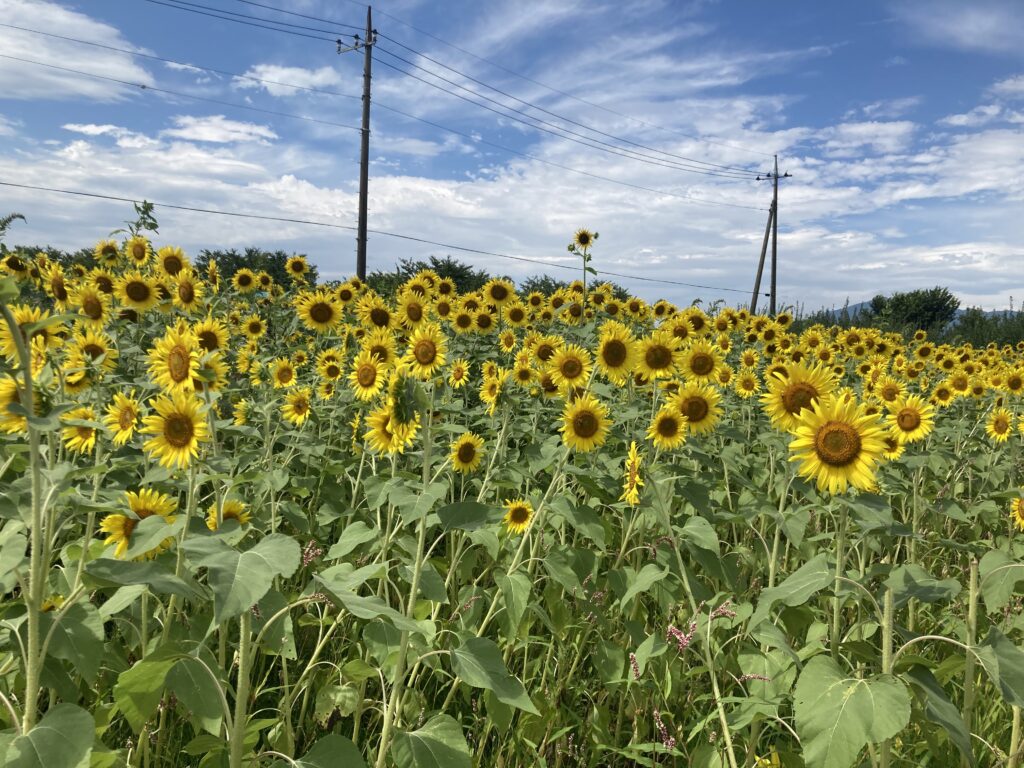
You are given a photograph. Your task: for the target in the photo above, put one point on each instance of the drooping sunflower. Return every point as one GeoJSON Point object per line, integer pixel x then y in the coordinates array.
{"type": "Point", "coordinates": [212, 375]}
{"type": "Point", "coordinates": [838, 445]}
{"type": "Point", "coordinates": [10, 422]}
{"type": "Point", "coordinates": [231, 509]}
{"type": "Point", "coordinates": [632, 482]}
{"type": "Point", "coordinates": [297, 406]}
{"type": "Point", "coordinates": [426, 352]}
{"type": "Point", "coordinates": [123, 416]}
{"type": "Point", "coordinates": [798, 389]}
{"type": "Point", "coordinates": [518, 516]}
{"type": "Point", "coordinates": [79, 438]}
{"type": "Point", "coordinates": [616, 352]}
{"type": "Point", "coordinates": [570, 366]}
{"type": "Point", "coordinates": [700, 361]}
{"type": "Point", "coordinates": [668, 429]}
{"type": "Point", "coordinates": [893, 447]}
{"type": "Point", "coordinates": [911, 419]}
{"type": "Point", "coordinates": [585, 423]}
{"type": "Point", "coordinates": [318, 310]}
{"type": "Point", "coordinates": [136, 291]}
{"type": "Point", "coordinates": [240, 413]}
{"type": "Point", "coordinates": [699, 405]}
{"type": "Point", "coordinates": [999, 425]}
{"type": "Point", "coordinates": [367, 376]}
{"type": "Point", "coordinates": [145, 503]}
{"type": "Point", "coordinates": [1017, 512]}
{"type": "Point", "coordinates": [174, 360]}
{"type": "Point", "coordinates": [55, 284]}
{"type": "Point", "coordinates": [282, 373]}
{"type": "Point", "coordinates": [244, 280]}
{"type": "Point", "coordinates": [467, 452]}
{"type": "Point", "coordinates": [458, 373]}
{"type": "Point", "coordinates": [177, 428]}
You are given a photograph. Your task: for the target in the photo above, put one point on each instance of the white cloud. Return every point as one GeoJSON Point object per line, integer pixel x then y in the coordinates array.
{"type": "Point", "coordinates": [885, 109]}
{"type": "Point", "coordinates": [847, 139]}
{"type": "Point", "coordinates": [217, 129]}
{"type": "Point", "coordinates": [20, 80]}
{"type": "Point", "coordinates": [324, 77]}
{"type": "Point", "coordinates": [7, 126]}
{"type": "Point", "coordinates": [1010, 88]}
{"type": "Point", "coordinates": [989, 26]}
{"type": "Point", "coordinates": [980, 115]}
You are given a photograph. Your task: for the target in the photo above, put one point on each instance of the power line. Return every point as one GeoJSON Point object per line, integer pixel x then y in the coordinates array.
{"type": "Point", "coordinates": [144, 87]}
{"type": "Point", "coordinates": [526, 78]}
{"type": "Point", "coordinates": [539, 108]}
{"type": "Point", "coordinates": [411, 238]}
{"type": "Point", "coordinates": [241, 21]}
{"type": "Point", "coordinates": [408, 115]}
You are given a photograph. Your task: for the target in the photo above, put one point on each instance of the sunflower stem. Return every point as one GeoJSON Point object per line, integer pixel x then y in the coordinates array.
{"type": "Point", "coordinates": [972, 637]}
{"type": "Point", "coordinates": [241, 691]}
{"type": "Point", "coordinates": [837, 600]}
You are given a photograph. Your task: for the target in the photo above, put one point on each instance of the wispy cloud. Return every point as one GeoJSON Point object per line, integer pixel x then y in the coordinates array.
{"type": "Point", "coordinates": [988, 26]}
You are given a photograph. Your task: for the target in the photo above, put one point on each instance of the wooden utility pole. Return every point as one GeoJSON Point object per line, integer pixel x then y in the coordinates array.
{"type": "Point", "coordinates": [773, 229]}
{"type": "Point", "coordinates": [760, 263]}
{"type": "Point", "coordinates": [364, 152]}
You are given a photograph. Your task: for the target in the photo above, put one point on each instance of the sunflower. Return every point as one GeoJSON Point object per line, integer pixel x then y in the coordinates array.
{"type": "Point", "coordinates": [467, 452]}
{"type": "Point", "coordinates": [699, 405]}
{"type": "Point", "coordinates": [518, 516]}
{"type": "Point", "coordinates": [54, 282]}
{"type": "Point", "coordinates": [10, 422]}
{"type": "Point", "coordinates": [483, 322]}
{"type": "Point", "coordinates": [211, 334]}
{"type": "Point", "coordinates": [170, 260]}
{"type": "Point", "coordinates": [911, 418]}
{"type": "Point", "coordinates": [138, 250]}
{"type": "Point", "coordinates": [458, 374]}
{"type": "Point", "coordinates": [507, 341]}
{"type": "Point", "coordinates": [515, 314]}
{"type": "Point", "coordinates": [45, 334]}
{"type": "Point", "coordinates": [490, 392]}
{"type": "Point", "coordinates": [790, 394]}
{"type": "Point", "coordinates": [240, 413]}
{"type": "Point", "coordinates": [498, 292]}
{"type": "Point", "coordinates": [145, 503]}
{"type": "Point", "coordinates": [123, 416]}
{"type": "Point", "coordinates": [890, 389]}
{"type": "Point", "coordinates": [585, 424]}
{"type": "Point", "coordinates": [106, 253]}
{"type": "Point", "coordinates": [177, 428]}
{"type": "Point", "coordinates": [747, 384]}
{"type": "Point", "coordinates": [658, 355]}
{"type": "Point", "coordinates": [367, 376]}
{"type": "Point", "coordinates": [231, 509]}
{"type": "Point", "coordinates": [700, 361]}
{"type": "Point", "coordinates": [174, 360]}
{"type": "Point", "coordinates": [1017, 512]}
{"type": "Point", "coordinates": [893, 447]}
{"type": "Point", "coordinates": [296, 408]}
{"type": "Point", "coordinates": [584, 239]}
{"type": "Point", "coordinates": [570, 366]}
{"type": "Point", "coordinates": [631, 480]}
{"type": "Point", "coordinates": [426, 352]}
{"type": "Point", "coordinates": [373, 312]}
{"type": "Point", "coordinates": [264, 281]}
{"type": "Point", "coordinates": [318, 310]}
{"type": "Point", "coordinates": [616, 352]}
{"type": "Point", "coordinates": [386, 433]}
{"type": "Point", "coordinates": [95, 347]}
{"type": "Point", "coordinates": [136, 291]}
{"type": "Point", "coordinates": [282, 373]}
{"type": "Point", "coordinates": [244, 280]}
{"type": "Point", "coordinates": [544, 347]}
{"type": "Point", "coordinates": [253, 327]}
{"type": "Point", "coordinates": [838, 445]}
{"type": "Point", "coordinates": [187, 290]}
{"type": "Point", "coordinates": [297, 268]}
{"type": "Point", "coordinates": [212, 375]}
{"type": "Point", "coordinates": [79, 438]}
{"type": "Point", "coordinates": [668, 429]}
{"type": "Point", "coordinates": [999, 424]}
{"type": "Point", "coordinates": [329, 368]}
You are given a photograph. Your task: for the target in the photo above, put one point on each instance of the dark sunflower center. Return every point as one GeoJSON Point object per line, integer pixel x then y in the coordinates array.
{"type": "Point", "coordinates": [300, 406]}
{"type": "Point", "coordinates": [321, 312]}
{"type": "Point", "coordinates": [139, 252]}
{"type": "Point", "coordinates": [93, 350]}
{"type": "Point", "coordinates": [837, 444]}
{"type": "Point", "coordinates": [702, 364]}
{"type": "Point", "coordinates": [659, 357]}
{"type": "Point", "coordinates": [499, 292]}
{"type": "Point", "coordinates": [380, 317]}
{"type": "Point", "coordinates": [332, 371]}
{"type": "Point", "coordinates": [109, 251]}
{"type": "Point", "coordinates": [15, 264]}
{"type": "Point", "coordinates": [908, 419]}
{"type": "Point", "coordinates": [571, 368]}
{"type": "Point", "coordinates": [298, 267]}
{"type": "Point", "coordinates": [366, 376]}
{"type": "Point", "coordinates": [613, 353]}
{"type": "Point", "coordinates": [208, 340]}
{"type": "Point", "coordinates": [668, 426]}
{"type": "Point", "coordinates": [285, 375]}
{"type": "Point", "coordinates": [695, 409]}
{"type": "Point", "coordinates": [178, 430]}
{"type": "Point", "coordinates": [255, 327]}
{"type": "Point", "coordinates": [544, 352]}
{"type": "Point", "coordinates": [466, 453]}
{"type": "Point", "coordinates": [575, 310]}
{"type": "Point", "coordinates": [345, 294]}
{"type": "Point", "coordinates": [585, 424]}
{"type": "Point", "coordinates": [244, 280]}
{"type": "Point", "coordinates": [483, 321]}
{"type": "Point", "coordinates": [187, 293]}
{"type": "Point", "coordinates": [463, 320]}
{"type": "Point", "coordinates": [1015, 383]}
{"type": "Point", "coordinates": [516, 315]}
{"type": "Point", "coordinates": [105, 284]}
{"type": "Point", "coordinates": [179, 364]}
{"type": "Point", "coordinates": [425, 352]}
{"type": "Point", "coordinates": [519, 514]}
{"type": "Point", "coordinates": [798, 396]}
{"type": "Point", "coordinates": [126, 418]}
{"type": "Point", "coordinates": [60, 291]}
{"type": "Point", "coordinates": [172, 265]}
{"type": "Point", "coordinates": [583, 239]}
{"type": "Point", "coordinates": [1001, 425]}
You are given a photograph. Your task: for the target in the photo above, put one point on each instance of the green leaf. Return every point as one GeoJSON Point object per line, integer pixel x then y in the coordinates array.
{"type": "Point", "coordinates": [329, 752]}
{"type": "Point", "coordinates": [478, 662]}
{"type": "Point", "coordinates": [240, 579]}
{"type": "Point", "coordinates": [138, 689]}
{"type": "Point", "coordinates": [914, 582]}
{"type": "Point", "coordinates": [62, 739]}
{"type": "Point", "coordinates": [1000, 575]}
{"type": "Point", "coordinates": [797, 589]}
{"type": "Point", "coordinates": [837, 716]}
{"type": "Point", "coordinates": [468, 515]}
{"type": "Point", "coordinates": [438, 744]}
{"type": "Point", "coordinates": [77, 638]}
{"type": "Point", "coordinates": [197, 691]}
{"type": "Point", "coordinates": [701, 534]}
{"type": "Point", "coordinates": [353, 535]}
{"type": "Point", "coordinates": [940, 710]}
{"type": "Point", "coordinates": [515, 590]}
{"type": "Point", "coordinates": [1004, 663]}
{"type": "Point", "coordinates": [373, 607]}
{"type": "Point", "coordinates": [158, 576]}
{"type": "Point", "coordinates": [121, 599]}
{"type": "Point", "coordinates": [639, 583]}
{"type": "Point", "coordinates": [149, 532]}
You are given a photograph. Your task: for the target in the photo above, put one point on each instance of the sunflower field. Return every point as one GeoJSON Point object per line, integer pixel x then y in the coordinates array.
{"type": "Point", "coordinates": [252, 524]}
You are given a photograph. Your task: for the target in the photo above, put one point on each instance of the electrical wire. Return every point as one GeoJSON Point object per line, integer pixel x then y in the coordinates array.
{"type": "Point", "coordinates": [526, 78]}
{"type": "Point", "coordinates": [241, 21]}
{"type": "Point", "coordinates": [385, 233]}
{"type": "Point", "coordinates": [380, 105]}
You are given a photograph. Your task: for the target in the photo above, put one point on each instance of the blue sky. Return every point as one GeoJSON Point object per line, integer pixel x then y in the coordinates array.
{"type": "Point", "coordinates": [902, 122]}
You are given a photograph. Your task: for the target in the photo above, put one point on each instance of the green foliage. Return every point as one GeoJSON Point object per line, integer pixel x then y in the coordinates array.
{"type": "Point", "coordinates": [256, 259]}
{"type": "Point", "coordinates": [466, 278]}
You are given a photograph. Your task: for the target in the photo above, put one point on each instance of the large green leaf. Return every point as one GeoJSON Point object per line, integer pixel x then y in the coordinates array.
{"type": "Point", "coordinates": [155, 574]}
{"type": "Point", "coordinates": [797, 589]}
{"type": "Point", "coordinates": [1000, 575]}
{"type": "Point", "coordinates": [641, 582]}
{"type": "Point", "coordinates": [478, 662]}
{"type": "Point", "coordinates": [77, 638]}
{"type": "Point", "coordinates": [837, 716]}
{"type": "Point", "coordinates": [355, 534]}
{"type": "Point", "coordinates": [438, 744]}
{"type": "Point", "coordinates": [914, 582]}
{"type": "Point", "coordinates": [197, 691]}
{"type": "Point", "coordinates": [1004, 663]}
{"type": "Point", "coordinates": [373, 607]}
{"type": "Point", "coordinates": [698, 532]}
{"type": "Point", "coordinates": [150, 532]}
{"type": "Point", "coordinates": [940, 710]}
{"type": "Point", "coordinates": [468, 515]}
{"type": "Point", "coordinates": [515, 589]}
{"type": "Point", "coordinates": [240, 579]}
{"type": "Point", "coordinates": [138, 689]}
{"type": "Point", "coordinates": [331, 751]}
{"type": "Point", "coordinates": [62, 739]}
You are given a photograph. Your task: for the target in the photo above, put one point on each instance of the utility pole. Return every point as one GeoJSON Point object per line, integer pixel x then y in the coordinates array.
{"type": "Point", "coordinates": [773, 226]}
{"type": "Point", "coordinates": [364, 152]}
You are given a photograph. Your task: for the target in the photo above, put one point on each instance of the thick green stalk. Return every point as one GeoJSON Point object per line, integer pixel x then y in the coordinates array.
{"type": "Point", "coordinates": [884, 758]}
{"type": "Point", "coordinates": [972, 638]}
{"type": "Point", "coordinates": [837, 601]}
{"type": "Point", "coordinates": [241, 691]}
{"type": "Point", "coordinates": [1014, 755]}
